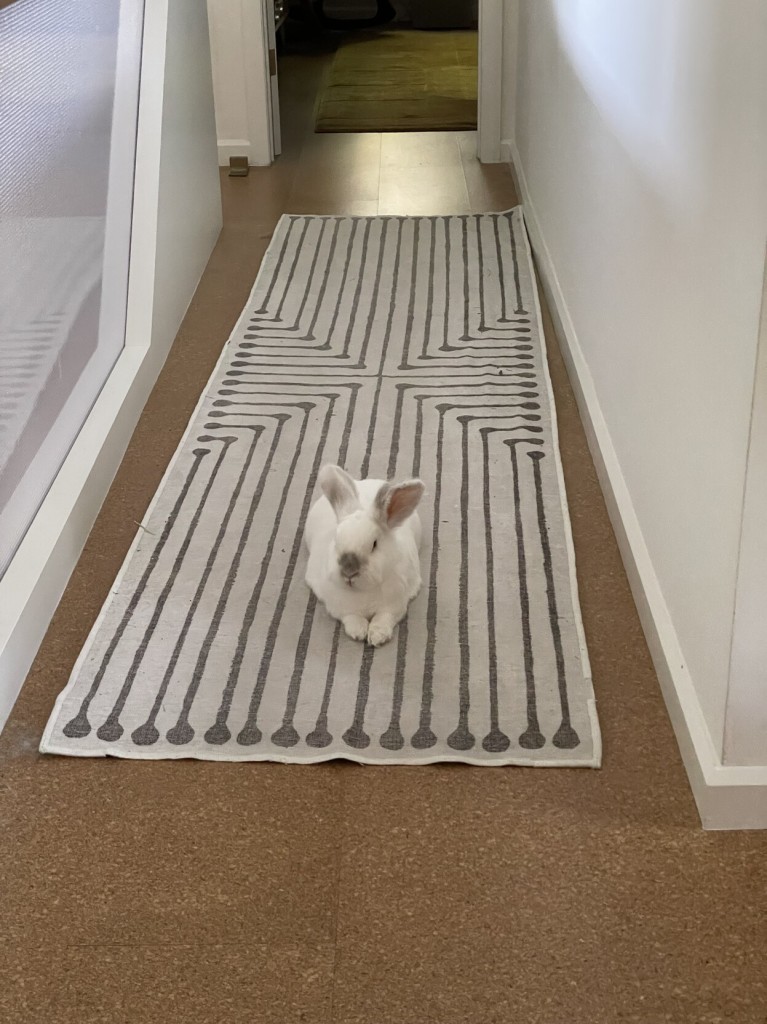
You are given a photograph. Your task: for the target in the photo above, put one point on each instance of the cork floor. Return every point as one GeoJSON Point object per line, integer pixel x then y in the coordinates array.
{"type": "Point", "coordinates": [241, 893]}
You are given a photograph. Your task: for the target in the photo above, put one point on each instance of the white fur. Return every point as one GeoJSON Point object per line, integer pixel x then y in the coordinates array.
{"type": "Point", "coordinates": [340, 531]}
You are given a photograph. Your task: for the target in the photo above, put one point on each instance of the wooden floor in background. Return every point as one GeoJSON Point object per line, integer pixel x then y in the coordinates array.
{"type": "Point", "coordinates": [339, 894]}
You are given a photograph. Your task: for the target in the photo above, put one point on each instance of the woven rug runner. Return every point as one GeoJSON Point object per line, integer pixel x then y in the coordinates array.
{"type": "Point", "coordinates": [395, 347]}
{"type": "Point", "coordinates": [401, 82]}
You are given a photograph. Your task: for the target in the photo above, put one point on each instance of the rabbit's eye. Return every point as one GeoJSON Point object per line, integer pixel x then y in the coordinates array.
{"type": "Point", "coordinates": [375, 544]}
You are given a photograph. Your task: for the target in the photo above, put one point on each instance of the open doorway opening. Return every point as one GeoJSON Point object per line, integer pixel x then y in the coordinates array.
{"type": "Point", "coordinates": [401, 66]}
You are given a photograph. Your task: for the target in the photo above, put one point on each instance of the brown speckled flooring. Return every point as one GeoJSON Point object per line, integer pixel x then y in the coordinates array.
{"type": "Point", "coordinates": [212, 893]}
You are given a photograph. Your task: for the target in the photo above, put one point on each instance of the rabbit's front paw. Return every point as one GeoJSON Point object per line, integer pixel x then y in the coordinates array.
{"type": "Point", "coordinates": [356, 627]}
{"type": "Point", "coordinates": [380, 630]}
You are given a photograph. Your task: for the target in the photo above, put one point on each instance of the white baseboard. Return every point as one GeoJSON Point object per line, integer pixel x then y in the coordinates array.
{"type": "Point", "coordinates": [728, 797]}
{"type": "Point", "coordinates": [240, 147]}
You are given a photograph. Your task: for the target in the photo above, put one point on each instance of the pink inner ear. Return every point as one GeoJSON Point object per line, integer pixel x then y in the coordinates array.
{"type": "Point", "coordinates": [401, 503]}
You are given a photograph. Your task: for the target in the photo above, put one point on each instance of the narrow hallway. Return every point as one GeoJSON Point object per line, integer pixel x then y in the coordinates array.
{"type": "Point", "coordinates": [363, 895]}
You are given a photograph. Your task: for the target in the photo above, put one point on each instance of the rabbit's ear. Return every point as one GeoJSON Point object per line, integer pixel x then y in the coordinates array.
{"type": "Point", "coordinates": [395, 502]}
{"type": "Point", "coordinates": [340, 490]}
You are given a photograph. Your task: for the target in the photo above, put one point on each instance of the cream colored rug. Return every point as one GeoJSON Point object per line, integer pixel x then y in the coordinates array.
{"type": "Point", "coordinates": [394, 346]}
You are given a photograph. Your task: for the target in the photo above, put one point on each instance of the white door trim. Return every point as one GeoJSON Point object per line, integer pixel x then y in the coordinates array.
{"type": "Point", "coordinates": [239, 44]}
{"type": "Point", "coordinates": [745, 734]}
{"type": "Point", "coordinates": [273, 93]}
{"type": "Point", "coordinates": [489, 85]}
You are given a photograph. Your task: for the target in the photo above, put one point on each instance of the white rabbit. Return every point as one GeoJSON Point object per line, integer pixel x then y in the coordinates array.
{"type": "Point", "coordinates": [363, 539]}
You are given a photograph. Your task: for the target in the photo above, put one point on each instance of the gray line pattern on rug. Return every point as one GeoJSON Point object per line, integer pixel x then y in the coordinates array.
{"type": "Point", "coordinates": [394, 346]}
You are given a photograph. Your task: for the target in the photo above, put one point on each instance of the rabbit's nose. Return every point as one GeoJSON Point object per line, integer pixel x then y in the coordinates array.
{"type": "Point", "coordinates": [349, 566]}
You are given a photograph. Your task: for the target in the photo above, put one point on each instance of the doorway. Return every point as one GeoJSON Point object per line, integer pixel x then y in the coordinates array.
{"type": "Point", "coordinates": [250, 108]}
{"type": "Point", "coordinates": [407, 68]}
{"type": "Point", "coordinates": [246, 75]}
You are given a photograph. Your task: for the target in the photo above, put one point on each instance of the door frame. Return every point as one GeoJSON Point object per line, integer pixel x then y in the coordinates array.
{"type": "Point", "coordinates": [242, 85]}
{"type": "Point", "coordinates": [239, 46]}
{"type": "Point", "coordinates": [490, 81]}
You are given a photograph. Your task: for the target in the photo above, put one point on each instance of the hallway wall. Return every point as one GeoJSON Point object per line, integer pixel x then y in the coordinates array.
{"type": "Point", "coordinates": [639, 133]}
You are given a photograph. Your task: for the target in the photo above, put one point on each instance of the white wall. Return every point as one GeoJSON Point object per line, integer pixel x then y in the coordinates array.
{"type": "Point", "coordinates": [189, 203]}
{"type": "Point", "coordinates": [176, 220]}
{"type": "Point", "coordinates": [639, 130]}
